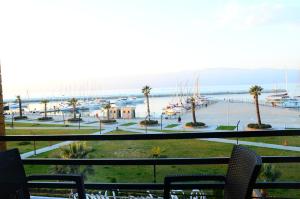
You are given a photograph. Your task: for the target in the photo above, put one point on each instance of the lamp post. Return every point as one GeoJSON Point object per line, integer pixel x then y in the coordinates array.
{"type": "Point", "coordinates": [228, 112]}
{"type": "Point", "coordinates": [146, 130]}
{"type": "Point", "coordinates": [237, 129]}
{"type": "Point", "coordinates": [79, 118]}
{"type": "Point", "coordinates": [161, 118]}
{"type": "Point", "coordinates": [99, 118]}
{"type": "Point", "coordinates": [63, 114]}
{"type": "Point", "coordinates": [12, 119]}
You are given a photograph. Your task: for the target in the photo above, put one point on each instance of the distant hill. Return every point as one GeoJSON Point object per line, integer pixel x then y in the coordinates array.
{"type": "Point", "coordinates": [227, 76]}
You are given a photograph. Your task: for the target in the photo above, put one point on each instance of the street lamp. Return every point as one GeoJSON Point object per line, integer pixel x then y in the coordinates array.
{"type": "Point", "coordinates": [237, 129]}
{"type": "Point", "coordinates": [146, 130]}
{"type": "Point", "coordinates": [12, 119]}
{"type": "Point", "coordinates": [161, 118]}
{"type": "Point", "coordinates": [63, 114]}
{"type": "Point", "coordinates": [79, 118]}
{"type": "Point", "coordinates": [99, 118]}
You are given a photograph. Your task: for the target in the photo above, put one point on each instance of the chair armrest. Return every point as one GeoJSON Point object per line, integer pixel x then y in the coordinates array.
{"type": "Point", "coordinates": [78, 179]}
{"type": "Point", "coordinates": [187, 178]}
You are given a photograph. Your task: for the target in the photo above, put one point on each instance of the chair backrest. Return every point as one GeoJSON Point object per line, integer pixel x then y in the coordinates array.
{"type": "Point", "coordinates": [243, 169]}
{"type": "Point", "coordinates": [13, 183]}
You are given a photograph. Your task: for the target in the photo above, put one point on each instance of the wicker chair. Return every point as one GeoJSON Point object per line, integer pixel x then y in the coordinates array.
{"type": "Point", "coordinates": [13, 180]}
{"type": "Point", "coordinates": [243, 169]}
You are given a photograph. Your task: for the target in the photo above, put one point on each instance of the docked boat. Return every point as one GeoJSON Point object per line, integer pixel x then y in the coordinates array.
{"type": "Point", "coordinates": [128, 101]}
{"type": "Point", "coordinates": [277, 99]}
{"type": "Point", "coordinates": [291, 103]}
{"type": "Point", "coordinates": [283, 100]}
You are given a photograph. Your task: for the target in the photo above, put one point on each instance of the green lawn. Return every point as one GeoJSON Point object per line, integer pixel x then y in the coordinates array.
{"type": "Point", "coordinates": [172, 125]}
{"type": "Point", "coordinates": [25, 146]}
{"type": "Point", "coordinates": [281, 140]}
{"type": "Point", "coordinates": [226, 128]}
{"type": "Point", "coordinates": [128, 124]}
{"type": "Point", "coordinates": [25, 124]}
{"type": "Point", "coordinates": [169, 148]}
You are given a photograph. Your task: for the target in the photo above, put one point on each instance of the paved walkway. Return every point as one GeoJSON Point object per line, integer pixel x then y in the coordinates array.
{"type": "Point", "coordinates": [56, 146]}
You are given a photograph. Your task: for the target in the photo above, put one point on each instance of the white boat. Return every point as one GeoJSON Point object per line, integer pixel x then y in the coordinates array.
{"type": "Point", "coordinates": [277, 99]}
{"type": "Point", "coordinates": [291, 103]}
{"type": "Point", "coordinates": [283, 100]}
{"type": "Point", "coordinates": [128, 101]}
{"type": "Point", "coordinates": [171, 111]}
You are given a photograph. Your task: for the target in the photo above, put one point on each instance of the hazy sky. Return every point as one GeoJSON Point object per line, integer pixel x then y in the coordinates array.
{"type": "Point", "coordinates": [56, 40]}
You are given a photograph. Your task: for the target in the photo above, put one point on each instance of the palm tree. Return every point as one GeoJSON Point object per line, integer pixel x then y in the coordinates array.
{"type": "Point", "coordinates": [76, 150]}
{"type": "Point", "coordinates": [2, 123]}
{"type": "Point", "coordinates": [107, 107]}
{"type": "Point", "coordinates": [193, 101]}
{"type": "Point", "coordinates": [255, 91]}
{"type": "Point", "coordinates": [146, 91]}
{"type": "Point", "coordinates": [73, 102]}
{"type": "Point", "coordinates": [19, 100]}
{"type": "Point", "coordinates": [45, 102]}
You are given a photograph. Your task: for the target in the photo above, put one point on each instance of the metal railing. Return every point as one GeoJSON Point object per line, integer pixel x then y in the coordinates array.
{"type": "Point", "coordinates": [154, 161]}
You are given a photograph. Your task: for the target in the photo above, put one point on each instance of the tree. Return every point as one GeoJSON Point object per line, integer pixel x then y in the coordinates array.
{"type": "Point", "coordinates": [146, 91]}
{"type": "Point", "coordinates": [107, 107]}
{"type": "Point", "coordinates": [45, 102]}
{"type": "Point", "coordinates": [2, 123]}
{"type": "Point", "coordinates": [76, 150]}
{"type": "Point", "coordinates": [269, 173]}
{"type": "Point", "coordinates": [255, 91]}
{"type": "Point", "coordinates": [193, 101]}
{"type": "Point", "coordinates": [73, 102]}
{"type": "Point", "coordinates": [155, 152]}
{"type": "Point", "coordinates": [19, 100]}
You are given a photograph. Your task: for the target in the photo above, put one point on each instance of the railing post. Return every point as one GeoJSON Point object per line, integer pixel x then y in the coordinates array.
{"type": "Point", "coordinates": [34, 147]}
{"type": "Point", "coordinates": [154, 172]}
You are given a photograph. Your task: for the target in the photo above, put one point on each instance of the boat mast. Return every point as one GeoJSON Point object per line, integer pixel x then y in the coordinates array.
{"type": "Point", "coordinates": [286, 81]}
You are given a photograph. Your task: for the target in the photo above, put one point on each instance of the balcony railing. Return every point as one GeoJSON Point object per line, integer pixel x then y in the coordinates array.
{"type": "Point", "coordinates": [155, 161]}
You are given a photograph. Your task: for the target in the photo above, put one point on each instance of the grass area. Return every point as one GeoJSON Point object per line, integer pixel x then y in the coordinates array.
{"type": "Point", "coordinates": [282, 140]}
{"type": "Point", "coordinates": [169, 148]}
{"type": "Point", "coordinates": [172, 125]}
{"type": "Point", "coordinates": [226, 128]}
{"type": "Point", "coordinates": [128, 124]}
{"type": "Point", "coordinates": [25, 124]}
{"type": "Point", "coordinates": [25, 146]}
{"type": "Point", "coordinates": [165, 130]}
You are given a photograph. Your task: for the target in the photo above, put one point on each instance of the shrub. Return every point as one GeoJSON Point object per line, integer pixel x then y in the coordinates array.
{"type": "Point", "coordinates": [74, 119]}
{"type": "Point", "coordinates": [257, 126]}
{"type": "Point", "coordinates": [20, 118]}
{"type": "Point", "coordinates": [45, 118]}
{"type": "Point", "coordinates": [148, 122]}
{"type": "Point", "coordinates": [24, 143]}
{"type": "Point", "coordinates": [197, 124]}
{"type": "Point", "coordinates": [108, 121]}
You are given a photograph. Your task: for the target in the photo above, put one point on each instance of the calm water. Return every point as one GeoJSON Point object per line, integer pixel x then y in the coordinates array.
{"type": "Point", "coordinates": [157, 103]}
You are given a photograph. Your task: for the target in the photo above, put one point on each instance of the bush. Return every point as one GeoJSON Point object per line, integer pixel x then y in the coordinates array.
{"type": "Point", "coordinates": [257, 126]}
{"type": "Point", "coordinates": [45, 118]}
{"type": "Point", "coordinates": [20, 118]}
{"type": "Point", "coordinates": [149, 122]}
{"type": "Point", "coordinates": [108, 121]}
{"type": "Point", "coordinates": [74, 119]}
{"type": "Point", "coordinates": [24, 143]}
{"type": "Point", "coordinates": [197, 124]}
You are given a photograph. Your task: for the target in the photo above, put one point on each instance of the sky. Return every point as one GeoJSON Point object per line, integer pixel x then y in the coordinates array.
{"type": "Point", "coordinates": [52, 42]}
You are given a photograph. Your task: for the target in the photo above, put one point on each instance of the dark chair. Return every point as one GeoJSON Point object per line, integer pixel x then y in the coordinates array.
{"type": "Point", "coordinates": [13, 180]}
{"type": "Point", "coordinates": [243, 169]}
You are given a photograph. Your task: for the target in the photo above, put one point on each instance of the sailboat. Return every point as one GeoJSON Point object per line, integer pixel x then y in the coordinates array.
{"type": "Point", "coordinates": [283, 99]}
